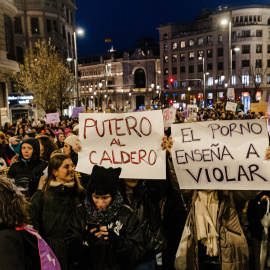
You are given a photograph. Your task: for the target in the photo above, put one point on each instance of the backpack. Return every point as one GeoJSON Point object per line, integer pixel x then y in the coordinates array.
{"type": "Point", "coordinates": [48, 260]}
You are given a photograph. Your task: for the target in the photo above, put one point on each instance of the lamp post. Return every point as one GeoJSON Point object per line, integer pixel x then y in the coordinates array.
{"type": "Point", "coordinates": [158, 92]}
{"type": "Point", "coordinates": [216, 83]}
{"type": "Point", "coordinates": [80, 32]}
{"type": "Point", "coordinates": [189, 88]}
{"type": "Point", "coordinates": [204, 95]}
{"type": "Point", "coordinates": [122, 90]}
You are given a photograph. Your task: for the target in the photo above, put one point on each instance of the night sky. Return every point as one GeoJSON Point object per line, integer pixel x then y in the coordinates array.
{"type": "Point", "coordinates": [125, 21]}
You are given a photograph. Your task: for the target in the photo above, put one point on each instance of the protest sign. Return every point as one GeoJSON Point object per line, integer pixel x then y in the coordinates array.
{"type": "Point", "coordinates": [76, 111]}
{"type": "Point", "coordinates": [221, 155]}
{"type": "Point", "coordinates": [259, 107]}
{"type": "Point", "coordinates": [52, 118]}
{"type": "Point", "coordinates": [131, 141]}
{"type": "Point", "coordinates": [230, 93]}
{"type": "Point", "coordinates": [231, 106]}
{"type": "Point", "coordinates": [168, 116]}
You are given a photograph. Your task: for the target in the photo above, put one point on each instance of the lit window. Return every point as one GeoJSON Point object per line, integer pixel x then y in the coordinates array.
{"type": "Point", "coordinates": [200, 41]}
{"type": "Point", "coordinates": [183, 44]}
{"type": "Point", "coordinates": [268, 79]}
{"type": "Point", "coordinates": [233, 80]}
{"type": "Point", "coordinates": [210, 81]}
{"type": "Point", "coordinates": [174, 45]}
{"type": "Point", "coordinates": [245, 79]}
{"type": "Point", "coordinates": [191, 56]}
{"type": "Point", "coordinates": [258, 78]}
{"type": "Point", "coordinates": [191, 42]}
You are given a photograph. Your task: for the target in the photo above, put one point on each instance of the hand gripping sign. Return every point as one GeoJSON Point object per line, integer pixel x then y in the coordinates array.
{"type": "Point", "coordinates": [127, 140]}
{"type": "Point", "coordinates": [221, 155]}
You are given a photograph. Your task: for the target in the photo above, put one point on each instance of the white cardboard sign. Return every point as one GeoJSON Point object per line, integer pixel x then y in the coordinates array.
{"type": "Point", "coordinates": [231, 106]}
{"type": "Point", "coordinates": [221, 155]}
{"type": "Point", "coordinates": [168, 116]}
{"type": "Point", "coordinates": [131, 141]}
{"type": "Point", "coordinates": [52, 118]}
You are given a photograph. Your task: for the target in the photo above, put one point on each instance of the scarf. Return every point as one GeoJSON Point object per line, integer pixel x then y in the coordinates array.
{"type": "Point", "coordinates": [106, 215]}
{"type": "Point", "coordinates": [68, 184]}
{"type": "Point", "coordinates": [206, 209]}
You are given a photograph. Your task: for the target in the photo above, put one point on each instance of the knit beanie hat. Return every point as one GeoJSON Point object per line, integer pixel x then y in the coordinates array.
{"type": "Point", "coordinates": [72, 140]}
{"type": "Point", "coordinates": [103, 181]}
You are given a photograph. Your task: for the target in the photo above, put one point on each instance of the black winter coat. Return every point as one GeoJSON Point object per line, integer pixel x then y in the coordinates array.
{"type": "Point", "coordinates": [117, 253]}
{"type": "Point", "coordinates": [50, 217]}
{"type": "Point", "coordinates": [146, 205]}
{"type": "Point", "coordinates": [27, 173]}
{"type": "Point", "coordinates": [18, 250]}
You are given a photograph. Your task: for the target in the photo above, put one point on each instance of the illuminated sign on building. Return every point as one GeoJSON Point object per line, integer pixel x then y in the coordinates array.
{"type": "Point", "coordinates": [14, 99]}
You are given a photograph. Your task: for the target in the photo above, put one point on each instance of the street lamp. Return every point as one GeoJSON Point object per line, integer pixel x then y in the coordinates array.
{"type": "Point", "coordinates": [216, 83]}
{"type": "Point", "coordinates": [80, 32]}
{"type": "Point", "coordinates": [204, 95]}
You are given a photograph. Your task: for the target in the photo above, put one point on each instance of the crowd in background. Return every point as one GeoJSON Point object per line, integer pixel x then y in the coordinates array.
{"type": "Point", "coordinates": [101, 221]}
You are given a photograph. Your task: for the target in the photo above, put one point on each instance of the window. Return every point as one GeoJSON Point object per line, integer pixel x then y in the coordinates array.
{"type": "Point", "coordinates": [165, 36]}
{"type": "Point", "coordinates": [233, 80]}
{"type": "Point", "coordinates": [209, 39]}
{"type": "Point", "coordinates": [246, 33]}
{"type": "Point", "coordinates": [268, 63]}
{"type": "Point", "coordinates": [209, 53]}
{"type": "Point", "coordinates": [191, 42]}
{"type": "Point", "coordinates": [200, 68]}
{"type": "Point", "coordinates": [166, 85]}
{"type": "Point", "coordinates": [258, 78]}
{"type": "Point", "coordinates": [237, 19]}
{"type": "Point", "coordinates": [245, 63]}
{"type": "Point", "coordinates": [255, 18]}
{"type": "Point", "coordinates": [258, 63]}
{"type": "Point", "coordinates": [233, 64]}
{"type": "Point", "coordinates": [268, 48]}
{"type": "Point", "coordinates": [220, 81]}
{"type": "Point", "coordinates": [268, 78]}
{"type": "Point", "coordinates": [241, 18]}
{"type": "Point", "coordinates": [209, 66]}
{"type": "Point", "coordinates": [200, 41]}
{"type": "Point", "coordinates": [200, 53]}
{"type": "Point", "coordinates": [69, 39]}
{"type": "Point", "coordinates": [258, 33]}
{"type": "Point", "coordinates": [165, 47]}
{"type": "Point", "coordinates": [19, 55]}
{"type": "Point", "coordinates": [139, 78]}
{"type": "Point", "coordinates": [166, 71]}
{"type": "Point", "coordinates": [259, 18]}
{"type": "Point", "coordinates": [258, 48]}
{"type": "Point", "coordinates": [210, 81]}
{"type": "Point", "coordinates": [220, 65]}
{"type": "Point", "coordinates": [18, 25]}
{"type": "Point", "coordinates": [191, 69]}
{"type": "Point", "coordinates": [268, 21]}
{"type": "Point", "coordinates": [48, 26]}
{"type": "Point", "coordinates": [64, 32]}
{"type": "Point", "coordinates": [166, 58]}
{"type": "Point", "coordinates": [183, 44]}
{"type": "Point", "coordinates": [174, 57]}
{"type": "Point", "coordinates": [182, 57]}
{"type": "Point", "coordinates": [183, 96]}
{"type": "Point", "coordinates": [54, 22]}
{"type": "Point", "coordinates": [245, 49]}
{"type": "Point", "coordinates": [191, 56]}
{"type": "Point", "coordinates": [9, 37]}
{"type": "Point", "coordinates": [220, 52]}
{"type": "Point", "coordinates": [245, 79]}
{"type": "Point", "coordinates": [219, 38]}
{"type": "Point", "coordinates": [34, 26]}
{"type": "Point", "coordinates": [233, 35]}
{"type": "Point", "coordinates": [174, 45]}
{"type": "Point", "coordinates": [174, 70]}
{"type": "Point", "coordinates": [183, 84]}
{"type": "Point", "coordinates": [182, 69]}
{"type": "Point", "coordinates": [246, 18]}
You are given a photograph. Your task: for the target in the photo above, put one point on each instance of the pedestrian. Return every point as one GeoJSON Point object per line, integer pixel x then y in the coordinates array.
{"type": "Point", "coordinates": [27, 171]}
{"type": "Point", "coordinates": [51, 207]}
{"type": "Point", "coordinates": [69, 144]}
{"type": "Point", "coordinates": [104, 232]}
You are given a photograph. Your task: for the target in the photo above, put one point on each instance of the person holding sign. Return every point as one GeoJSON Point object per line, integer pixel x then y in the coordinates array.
{"type": "Point", "coordinates": [104, 232]}
{"type": "Point", "coordinates": [213, 237]}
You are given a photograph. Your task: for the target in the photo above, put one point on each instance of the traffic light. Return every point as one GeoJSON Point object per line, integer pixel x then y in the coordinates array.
{"type": "Point", "coordinates": [171, 80]}
{"type": "Point", "coordinates": [171, 101]}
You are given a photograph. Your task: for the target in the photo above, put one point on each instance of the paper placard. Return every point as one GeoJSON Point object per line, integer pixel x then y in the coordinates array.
{"type": "Point", "coordinates": [231, 106]}
{"type": "Point", "coordinates": [131, 141]}
{"type": "Point", "coordinates": [168, 116]}
{"type": "Point", "coordinates": [228, 155]}
{"type": "Point", "coordinates": [77, 110]}
{"type": "Point", "coordinates": [52, 118]}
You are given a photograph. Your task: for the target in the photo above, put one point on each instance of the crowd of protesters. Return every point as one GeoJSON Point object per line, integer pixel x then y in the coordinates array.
{"type": "Point", "coordinates": [103, 222]}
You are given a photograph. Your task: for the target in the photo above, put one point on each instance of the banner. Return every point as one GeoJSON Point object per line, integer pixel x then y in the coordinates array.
{"type": "Point", "coordinates": [230, 93]}
{"type": "Point", "coordinates": [76, 111]}
{"type": "Point", "coordinates": [221, 155]}
{"type": "Point", "coordinates": [168, 116]}
{"type": "Point", "coordinates": [231, 106]}
{"type": "Point", "coordinates": [131, 141]}
{"type": "Point", "coordinates": [52, 118]}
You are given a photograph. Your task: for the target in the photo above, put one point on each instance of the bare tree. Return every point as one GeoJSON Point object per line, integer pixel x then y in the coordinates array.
{"type": "Point", "coordinates": [46, 76]}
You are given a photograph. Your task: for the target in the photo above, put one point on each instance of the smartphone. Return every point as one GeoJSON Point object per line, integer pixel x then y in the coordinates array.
{"type": "Point", "coordinates": [92, 226]}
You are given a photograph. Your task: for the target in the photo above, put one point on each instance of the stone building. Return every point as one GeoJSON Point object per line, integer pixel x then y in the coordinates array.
{"type": "Point", "coordinates": [8, 65]}
{"type": "Point", "coordinates": [206, 50]}
{"type": "Point", "coordinates": [126, 80]}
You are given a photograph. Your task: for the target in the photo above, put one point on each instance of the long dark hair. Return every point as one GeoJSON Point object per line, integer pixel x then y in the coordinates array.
{"type": "Point", "coordinates": [13, 206]}
{"type": "Point", "coordinates": [49, 146]}
{"type": "Point", "coordinates": [54, 164]}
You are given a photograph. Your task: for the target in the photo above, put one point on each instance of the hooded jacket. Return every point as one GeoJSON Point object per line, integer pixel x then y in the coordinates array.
{"type": "Point", "coordinates": [28, 172]}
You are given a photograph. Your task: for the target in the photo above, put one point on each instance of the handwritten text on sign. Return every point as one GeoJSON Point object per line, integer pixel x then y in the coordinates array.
{"type": "Point", "coordinates": [128, 140]}
{"type": "Point", "coordinates": [221, 155]}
